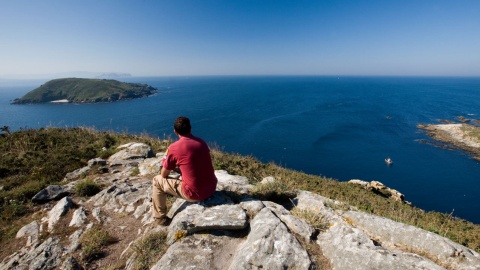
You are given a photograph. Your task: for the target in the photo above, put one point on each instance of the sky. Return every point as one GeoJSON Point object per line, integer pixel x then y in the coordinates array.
{"type": "Point", "coordinates": [248, 37]}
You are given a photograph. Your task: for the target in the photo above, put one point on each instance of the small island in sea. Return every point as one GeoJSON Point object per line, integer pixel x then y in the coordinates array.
{"type": "Point", "coordinates": [456, 135]}
{"type": "Point", "coordinates": [79, 90]}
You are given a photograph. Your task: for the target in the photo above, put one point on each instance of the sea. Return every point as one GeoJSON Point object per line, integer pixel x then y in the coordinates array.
{"type": "Point", "coordinates": [337, 127]}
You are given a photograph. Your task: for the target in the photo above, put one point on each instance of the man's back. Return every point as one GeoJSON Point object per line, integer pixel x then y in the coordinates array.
{"type": "Point", "coordinates": [192, 155]}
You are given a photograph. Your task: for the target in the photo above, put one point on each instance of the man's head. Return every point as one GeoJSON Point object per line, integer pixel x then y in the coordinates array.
{"type": "Point", "coordinates": [182, 126]}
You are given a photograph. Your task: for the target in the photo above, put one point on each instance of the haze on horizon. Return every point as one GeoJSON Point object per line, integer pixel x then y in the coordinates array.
{"type": "Point", "coordinates": [169, 38]}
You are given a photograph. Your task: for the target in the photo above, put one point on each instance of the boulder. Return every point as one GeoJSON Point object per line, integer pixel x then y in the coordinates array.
{"type": "Point", "coordinates": [52, 192]}
{"type": "Point", "coordinates": [270, 245]}
{"type": "Point", "coordinates": [58, 211]}
{"type": "Point", "coordinates": [233, 183]}
{"type": "Point", "coordinates": [78, 218]}
{"type": "Point", "coordinates": [393, 234]}
{"type": "Point", "coordinates": [132, 151]}
{"type": "Point", "coordinates": [202, 252]}
{"type": "Point", "coordinates": [199, 218]}
{"type": "Point", "coordinates": [150, 166]}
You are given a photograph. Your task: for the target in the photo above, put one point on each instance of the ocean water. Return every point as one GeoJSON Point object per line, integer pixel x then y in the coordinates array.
{"type": "Point", "coordinates": [339, 127]}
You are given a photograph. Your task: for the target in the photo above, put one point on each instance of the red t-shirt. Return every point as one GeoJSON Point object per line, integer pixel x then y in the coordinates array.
{"type": "Point", "coordinates": [192, 155]}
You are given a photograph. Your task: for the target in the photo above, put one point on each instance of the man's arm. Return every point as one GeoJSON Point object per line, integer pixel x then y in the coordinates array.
{"type": "Point", "coordinates": [164, 172]}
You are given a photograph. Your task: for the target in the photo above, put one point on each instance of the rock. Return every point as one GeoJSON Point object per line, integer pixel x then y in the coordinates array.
{"type": "Point", "coordinates": [269, 245]}
{"type": "Point", "coordinates": [203, 252]}
{"type": "Point", "coordinates": [45, 256]}
{"type": "Point", "coordinates": [218, 198]}
{"type": "Point", "coordinates": [97, 161]}
{"type": "Point", "coordinates": [393, 234]}
{"type": "Point", "coordinates": [31, 231]}
{"type": "Point", "coordinates": [132, 151]}
{"type": "Point", "coordinates": [197, 218]}
{"type": "Point", "coordinates": [252, 206]}
{"type": "Point", "coordinates": [294, 224]}
{"type": "Point", "coordinates": [78, 218]}
{"type": "Point", "coordinates": [267, 180]}
{"type": "Point", "coordinates": [345, 246]}
{"type": "Point", "coordinates": [150, 166]}
{"type": "Point", "coordinates": [233, 183]}
{"type": "Point", "coordinates": [52, 192]}
{"type": "Point", "coordinates": [70, 264]}
{"type": "Point", "coordinates": [381, 188]}
{"type": "Point", "coordinates": [57, 211]}
{"type": "Point", "coordinates": [77, 173]}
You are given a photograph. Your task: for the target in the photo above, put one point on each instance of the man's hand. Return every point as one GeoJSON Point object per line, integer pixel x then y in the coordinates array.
{"type": "Point", "coordinates": [164, 172]}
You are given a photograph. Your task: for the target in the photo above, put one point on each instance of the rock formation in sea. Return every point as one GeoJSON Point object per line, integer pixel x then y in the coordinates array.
{"type": "Point", "coordinates": [231, 230]}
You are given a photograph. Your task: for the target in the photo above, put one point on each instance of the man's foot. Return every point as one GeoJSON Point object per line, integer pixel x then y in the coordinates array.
{"type": "Point", "coordinates": [163, 221]}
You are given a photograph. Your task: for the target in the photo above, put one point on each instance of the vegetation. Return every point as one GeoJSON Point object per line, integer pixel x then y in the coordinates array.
{"type": "Point", "coordinates": [149, 249]}
{"type": "Point", "coordinates": [93, 241]}
{"type": "Point", "coordinates": [32, 159]}
{"type": "Point", "coordinates": [87, 188]}
{"type": "Point", "coordinates": [85, 91]}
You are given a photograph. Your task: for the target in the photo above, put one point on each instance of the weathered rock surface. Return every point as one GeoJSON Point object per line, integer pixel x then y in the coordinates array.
{"type": "Point", "coordinates": [52, 192]}
{"type": "Point", "coordinates": [230, 230]}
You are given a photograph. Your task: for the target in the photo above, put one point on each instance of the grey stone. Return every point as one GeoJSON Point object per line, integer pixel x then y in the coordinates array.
{"type": "Point", "coordinates": [132, 151]}
{"type": "Point", "coordinates": [77, 173]}
{"type": "Point", "coordinates": [70, 264]}
{"type": "Point", "coordinates": [267, 180]}
{"type": "Point", "coordinates": [52, 192]}
{"type": "Point", "coordinates": [345, 246]}
{"type": "Point", "coordinates": [57, 211]}
{"type": "Point", "coordinates": [398, 235]}
{"type": "Point", "coordinates": [150, 166]}
{"type": "Point", "coordinates": [198, 218]}
{"type": "Point", "coordinates": [78, 218]}
{"type": "Point", "coordinates": [270, 246]}
{"type": "Point", "coordinates": [97, 161]}
{"type": "Point", "coordinates": [252, 206]}
{"type": "Point", "coordinates": [199, 251]}
{"type": "Point", "coordinates": [295, 224]}
{"type": "Point", "coordinates": [218, 198]}
{"type": "Point", "coordinates": [30, 231]}
{"type": "Point", "coordinates": [45, 256]}
{"type": "Point", "coordinates": [233, 183]}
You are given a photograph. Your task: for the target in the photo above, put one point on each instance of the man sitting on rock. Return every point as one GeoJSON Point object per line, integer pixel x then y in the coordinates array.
{"type": "Point", "coordinates": [192, 157]}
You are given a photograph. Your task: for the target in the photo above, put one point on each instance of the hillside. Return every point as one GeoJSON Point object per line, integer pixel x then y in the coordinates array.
{"type": "Point", "coordinates": [103, 220]}
{"type": "Point", "coordinates": [79, 90]}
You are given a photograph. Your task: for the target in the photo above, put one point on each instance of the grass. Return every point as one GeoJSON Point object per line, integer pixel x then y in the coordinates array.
{"type": "Point", "coordinates": [33, 159]}
{"type": "Point", "coordinates": [87, 188]}
{"type": "Point", "coordinates": [93, 242]}
{"type": "Point", "coordinates": [288, 181]}
{"type": "Point", "coordinates": [149, 249]}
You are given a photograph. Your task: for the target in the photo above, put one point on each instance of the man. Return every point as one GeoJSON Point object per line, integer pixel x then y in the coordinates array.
{"type": "Point", "coordinates": [192, 157]}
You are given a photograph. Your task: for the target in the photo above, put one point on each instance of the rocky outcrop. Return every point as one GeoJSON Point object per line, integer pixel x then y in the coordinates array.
{"type": "Point", "coordinates": [455, 136]}
{"type": "Point", "coordinates": [380, 188]}
{"type": "Point", "coordinates": [230, 230]}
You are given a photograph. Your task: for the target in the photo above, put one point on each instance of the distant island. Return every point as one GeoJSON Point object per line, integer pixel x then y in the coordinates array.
{"type": "Point", "coordinates": [78, 90]}
{"type": "Point", "coordinates": [456, 136]}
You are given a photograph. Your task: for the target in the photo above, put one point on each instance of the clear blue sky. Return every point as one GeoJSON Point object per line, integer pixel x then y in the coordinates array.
{"type": "Point", "coordinates": [175, 37]}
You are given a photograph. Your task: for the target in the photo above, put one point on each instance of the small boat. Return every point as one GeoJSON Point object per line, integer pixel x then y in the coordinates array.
{"type": "Point", "coordinates": [388, 161]}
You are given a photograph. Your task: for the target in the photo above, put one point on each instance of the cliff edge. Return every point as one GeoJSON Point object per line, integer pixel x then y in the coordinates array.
{"type": "Point", "coordinates": [231, 230]}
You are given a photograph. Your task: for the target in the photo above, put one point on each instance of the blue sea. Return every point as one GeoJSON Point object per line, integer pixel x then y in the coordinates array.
{"type": "Point", "coordinates": [339, 127]}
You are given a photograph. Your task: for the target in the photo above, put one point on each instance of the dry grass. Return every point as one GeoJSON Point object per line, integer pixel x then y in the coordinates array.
{"type": "Point", "coordinates": [149, 249]}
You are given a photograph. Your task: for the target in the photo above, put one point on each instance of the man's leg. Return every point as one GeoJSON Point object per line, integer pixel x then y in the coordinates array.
{"type": "Point", "coordinates": [160, 188]}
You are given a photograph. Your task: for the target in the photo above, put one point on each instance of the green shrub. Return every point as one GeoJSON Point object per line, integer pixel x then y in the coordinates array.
{"type": "Point", "coordinates": [93, 242]}
{"type": "Point", "coordinates": [87, 188]}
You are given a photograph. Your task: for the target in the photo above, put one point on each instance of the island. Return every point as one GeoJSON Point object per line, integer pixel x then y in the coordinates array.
{"type": "Point", "coordinates": [80, 90]}
{"type": "Point", "coordinates": [456, 136]}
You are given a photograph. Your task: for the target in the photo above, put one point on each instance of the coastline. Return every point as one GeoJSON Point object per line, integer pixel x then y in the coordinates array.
{"type": "Point", "coordinates": [461, 136]}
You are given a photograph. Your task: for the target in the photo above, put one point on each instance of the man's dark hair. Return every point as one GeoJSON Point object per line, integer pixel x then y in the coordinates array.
{"type": "Point", "coordinates": [182, 125]}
